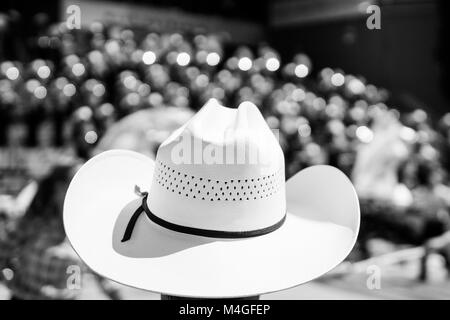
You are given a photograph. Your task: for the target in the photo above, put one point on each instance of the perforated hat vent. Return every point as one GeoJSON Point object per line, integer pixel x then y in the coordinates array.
{"type": "Point", "coordinates": [207, 189]}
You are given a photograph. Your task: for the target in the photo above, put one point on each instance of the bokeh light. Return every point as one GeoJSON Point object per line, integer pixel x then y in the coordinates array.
{"type": "Point", "coordinates": [272, 64]}
{"type": "Point", "coordinates": [69, 90]}
{"type": "Point", "coordinates": [78, 69]}
{"type": "Point", "coordinates": [43, 72]}
{"type": "Point", "coordinates": [40, 92]}
{"type": "Point", "coordinates": [91, 137]}
{"type": "Point", "coordinates": [364, 134]}
{"type": "Point", "coordinates": [149, 57]}
{"type": "Point", "coordinates": [245, 64]}
{"type": "Point", "coordinates": [12, 73]}
{"type": "Point", "coordinates": [183, 59]}
{"type": "Point", "coordinates": [213, 59]}
{"type": "Point", "coordinates": [301, 71]}
{"type": "Point", "coordinates": [337, 79]}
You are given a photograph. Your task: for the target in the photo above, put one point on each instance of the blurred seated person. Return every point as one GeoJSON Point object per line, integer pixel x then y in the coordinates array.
{"type": "Point", "coordinates": [375, 173]}
{"type": "Point", "coordinates": [40, 260]}
{"type": "Point", "coordinates": [402, 197]}
{"type": "Point", "coordinates": [144, 130]}
{"type": "Point", "coordinates": [431, 199]}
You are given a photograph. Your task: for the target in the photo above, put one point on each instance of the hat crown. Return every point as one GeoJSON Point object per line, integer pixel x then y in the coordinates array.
{"type": "Point", "coordinates": [236, 140]}
{"type": "Point", "coordinates": [223, 160]}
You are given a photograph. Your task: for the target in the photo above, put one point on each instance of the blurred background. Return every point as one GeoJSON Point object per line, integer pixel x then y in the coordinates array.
{"type": "Point", "coordinates": [372, 102]}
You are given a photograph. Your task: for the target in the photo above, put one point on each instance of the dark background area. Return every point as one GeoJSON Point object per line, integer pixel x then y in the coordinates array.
{"type": "Point", "coordinates": [409, 55]}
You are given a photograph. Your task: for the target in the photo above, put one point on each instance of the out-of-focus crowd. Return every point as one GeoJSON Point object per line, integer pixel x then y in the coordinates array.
{"type": "Point", "coordinates": [78, 83]}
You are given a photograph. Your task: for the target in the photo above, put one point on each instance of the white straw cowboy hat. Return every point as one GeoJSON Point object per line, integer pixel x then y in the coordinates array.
{"type": "Point", "coordinates": [202, 220]}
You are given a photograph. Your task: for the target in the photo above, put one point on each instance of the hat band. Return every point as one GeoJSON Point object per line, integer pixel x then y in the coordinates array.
{"type": "Point", "coordinates": [190, 230]}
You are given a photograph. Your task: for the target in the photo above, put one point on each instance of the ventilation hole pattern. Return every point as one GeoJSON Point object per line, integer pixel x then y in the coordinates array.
{"type": "Point", "coordinates": [207, 189]}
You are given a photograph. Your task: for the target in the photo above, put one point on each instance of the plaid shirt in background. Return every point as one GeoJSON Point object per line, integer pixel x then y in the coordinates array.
{"type": "Point", "coordinates": [43, 262]}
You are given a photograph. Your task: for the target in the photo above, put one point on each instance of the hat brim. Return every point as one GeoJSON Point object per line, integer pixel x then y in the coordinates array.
{"type": "Point", "coordinates": [319, 232]}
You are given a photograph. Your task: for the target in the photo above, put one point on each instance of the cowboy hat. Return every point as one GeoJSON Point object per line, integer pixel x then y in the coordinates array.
{"type": "Point", "coordinates": [212, 216]}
